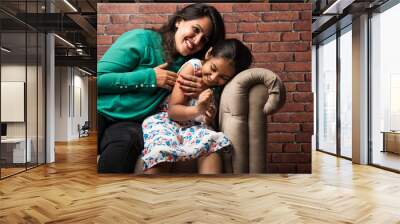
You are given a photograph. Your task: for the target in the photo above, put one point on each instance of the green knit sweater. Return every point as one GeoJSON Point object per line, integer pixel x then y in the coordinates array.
{"type": "Point", "coordinates": [126, 81]}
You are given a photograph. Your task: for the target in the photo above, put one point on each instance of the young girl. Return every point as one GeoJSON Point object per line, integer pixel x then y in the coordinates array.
{"type": "Point", "coordinates": [183, 130]}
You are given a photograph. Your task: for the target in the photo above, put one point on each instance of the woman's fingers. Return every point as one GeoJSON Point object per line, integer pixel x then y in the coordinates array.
{"type": "Point", "coordinates": [163, 66]}
{"type": "Point", "coordinates": [190, 81]}
{"type": "Point", "coordinates": [189, 90]}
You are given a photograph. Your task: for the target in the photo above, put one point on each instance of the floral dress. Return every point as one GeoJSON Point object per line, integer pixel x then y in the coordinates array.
{"type": "Point", "coordinates": [166, 140]}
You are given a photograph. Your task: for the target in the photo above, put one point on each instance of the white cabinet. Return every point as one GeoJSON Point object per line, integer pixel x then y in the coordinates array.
{"type": "Point", "coordinates": [15, 148]}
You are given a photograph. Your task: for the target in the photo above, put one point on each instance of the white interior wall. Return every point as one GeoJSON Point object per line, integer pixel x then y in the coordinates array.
{"type": "Point", "coordinates": [70, 84]}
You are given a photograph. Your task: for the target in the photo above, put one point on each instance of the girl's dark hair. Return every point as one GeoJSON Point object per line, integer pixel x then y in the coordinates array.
{"type": "Point", "coordinates": [190, 12]}
{"type": "Point", "coordinates": [235, 51]}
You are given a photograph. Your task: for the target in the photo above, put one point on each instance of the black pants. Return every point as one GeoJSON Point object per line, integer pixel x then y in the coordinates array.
{"type": "Point", "coordinates": [119, 145]}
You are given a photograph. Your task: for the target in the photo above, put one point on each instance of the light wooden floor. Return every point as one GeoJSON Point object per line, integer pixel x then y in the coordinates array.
{"type": "Point", "coordinates": [71, 191]}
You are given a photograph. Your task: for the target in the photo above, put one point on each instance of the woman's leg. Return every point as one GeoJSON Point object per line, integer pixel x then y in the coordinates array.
{"type": "Point", "coordinates": [120, 147]}
{"type": "Point", "coordinates": [159, 168]}
{"type": "Point", "coordinates": [210, 164]}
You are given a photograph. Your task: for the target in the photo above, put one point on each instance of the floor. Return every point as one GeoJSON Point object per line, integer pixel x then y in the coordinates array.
{"type": "Point", "coordinates": [387, 159]}
{"type": "Point", "coordinates": [71, 191]}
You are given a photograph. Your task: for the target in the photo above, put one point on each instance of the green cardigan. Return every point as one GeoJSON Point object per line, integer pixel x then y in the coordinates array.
{"type": "Point", "coordinates": [126, 81]}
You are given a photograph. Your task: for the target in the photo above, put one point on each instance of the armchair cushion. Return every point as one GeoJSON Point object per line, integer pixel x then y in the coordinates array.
{"type": "Point", "coordinates": [245, 102]}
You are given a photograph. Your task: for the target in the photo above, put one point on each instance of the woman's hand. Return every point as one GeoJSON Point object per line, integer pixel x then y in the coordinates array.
{"type": "Point", "coordinates": [204, 101]}
{"type": "Point", "coordinates": [165, 79]}
{"type": "Point", "coordinates": [191, 85]}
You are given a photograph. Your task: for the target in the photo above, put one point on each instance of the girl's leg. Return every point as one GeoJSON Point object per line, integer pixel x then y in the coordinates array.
{"type": "Point", "coordinates": [159, 168]}
{"type": "Point", "coordinates": [210, 164]}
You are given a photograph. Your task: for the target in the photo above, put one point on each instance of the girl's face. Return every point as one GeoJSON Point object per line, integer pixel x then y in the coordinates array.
{"type": "Point", "coordinates": [192, 35]}
{"type": "Point", "coordinates": [217, 71]}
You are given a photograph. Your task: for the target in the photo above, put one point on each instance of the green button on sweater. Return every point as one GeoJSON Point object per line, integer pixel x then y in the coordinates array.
{"type": "Point", "coordinates": [126, 81]}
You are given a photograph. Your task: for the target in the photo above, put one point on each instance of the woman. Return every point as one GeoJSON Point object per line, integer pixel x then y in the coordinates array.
{"type": "Point", "coordinates": [138, 71]}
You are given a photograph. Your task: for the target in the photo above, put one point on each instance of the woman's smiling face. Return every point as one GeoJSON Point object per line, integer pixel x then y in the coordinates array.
{"type": "Point", "coordinates": [192, 35]}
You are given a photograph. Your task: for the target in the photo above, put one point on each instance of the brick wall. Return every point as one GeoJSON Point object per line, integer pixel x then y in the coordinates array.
{"type": "Point", "coordinates": [279, 35]}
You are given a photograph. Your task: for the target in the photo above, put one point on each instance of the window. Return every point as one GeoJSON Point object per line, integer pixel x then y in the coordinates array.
{"type": "Point", "coordinates": [385, 88]}
{"type": "Point", "coordinates": [326, 95]}
{"type": "Point", "coordinates": [346, 92]}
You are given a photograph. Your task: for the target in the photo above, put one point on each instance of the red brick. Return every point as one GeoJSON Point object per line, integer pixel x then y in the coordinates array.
{"type": "Point", "coordinates": [278, 127]}
{"type": "Point", "coordinates": [309, 107]}
{"type": "Point", "coordinates": [290, 87]}
{"type": "Point", "coordinates": [119, 29]}
{"type": "Point", "coordinates": [222, 8]}
{"type": "Point", "coordinates": [103, 19]}
{"type": "Point", "coordinates": [281, 117]}
{"type": "Point", "coordinates": [261, 37]}
{"type": "Point", "coordinates": [291, 157]}
{"type": "Point", "coordinates": [158, 8]}
{"type": "Point", "coordinates": [302, 56]}
{"type": "Point", "coordinates": [273, 27]}
{"type": "Point", "coordinates": [275, 66]}
{"type": "Point", "coordinates": [306, 15]}
{"type": "Point", "coordinates": [292, 147]}
{"type": "Point", "coordinates": [290, 47]}
{"type": "Point", "coordinates": [102, 49]}
{"type": "Point", "coordinates": [280, 7]}
{"type": "Point", "coordinates": [242, 17]}
{"type": "Point", "coordinates": [289, 97]}
{"type": "Point", "coordinates": [301, 6]}
{"type": "Point", "coordinates": [298, 67]}
{"type": "Point", "coordinates": [280, 16]}
{"type": "Point", "coordinates": [238, 36]}
{"type": "Point", "coordinates": [269, 157]}
{"type": "Point", "coordinates": [293, 77]}
{"type": "Point", "coordinates": [284, 57]}
{"type": "Point", "coordinates": [116, 19]}
{"type": "Point", "coordinates": [101, 29]}
{"type": "Point", "coordinates": [148, 19]}
{"type": "Point", "coordinates": [247, 27]}
{"type": "Point", "coordinates": [303, 137]}
{"type": "Point", "coordinates": [281, 168]}
{"type": "Point", "coordinates": [302, 117]}
{"type": "Point", "coordinates": [274, 147]}
{"type": "Point", "coordinates": [290, 36]}
{"type": "Point", "coordinates": [303, 97]}
{"type": "Point", "coordinates": [231, 28]}
{"type": "Point", "coordinates": [292, 107]}
{"type": "Point", "coordinates": [304, 168]}
{"type": "Point", "coordinates": [117, 8]}
{"type": "Point", "coordinates": [260, 47]}
{"type": "Point", "coordinates": [264, 57]}
{"type": "Point", "coordinates": [302, 26]}
{"type": "Point", "coordinates": [306, 147]}
{"type": "Point", "coordinates": [114, 38]}
{"type": "Point", "coordinates": [281, 137]}
{"type": "Point", "coordinates": [308, 77]}
{"type": "Point", "coordinates": [304, 87]}
{"type": "Point", "coordinates": [307, 127]}
{"type": "Point", "coordinates": [104, 40]}
{"type": "Point", "coordinates": [252, 7]}
{"type": "Point", "coordinates": [152, 26]}
{"type": "Point", "coordinates": [305, 36]}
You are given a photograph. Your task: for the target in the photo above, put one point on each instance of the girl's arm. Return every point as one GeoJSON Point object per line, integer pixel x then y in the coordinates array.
{"type": "Point", "coordinates": [177, 109]}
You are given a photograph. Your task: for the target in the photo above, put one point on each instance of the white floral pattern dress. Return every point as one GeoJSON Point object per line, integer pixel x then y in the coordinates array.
{"type": "Point", "coordinates": [166, 140]}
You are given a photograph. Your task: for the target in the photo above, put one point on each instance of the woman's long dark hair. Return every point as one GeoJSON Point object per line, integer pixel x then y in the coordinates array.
{"type": "Point", "coordinates": [190, 12]}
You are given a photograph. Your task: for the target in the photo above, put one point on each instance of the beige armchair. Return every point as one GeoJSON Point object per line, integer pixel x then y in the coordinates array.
{"type": "Point", "coordinates": [245, 102]}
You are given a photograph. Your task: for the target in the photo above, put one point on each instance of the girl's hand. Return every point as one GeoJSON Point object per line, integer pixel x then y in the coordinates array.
{"type": "Point", "coordinates": [165, 79]}
{"type": "Point", "coordinates": [204, 101]}
{"type": "Point", "coordinates": [209, 117]}
{"type": "Point", "coordinates": [191, 85]}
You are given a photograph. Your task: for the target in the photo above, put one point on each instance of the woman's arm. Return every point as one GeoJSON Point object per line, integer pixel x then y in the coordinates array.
{"type": "Point", "coordinates": [177, 109]}
{"type": "Point", "coordinates": [117, 70]}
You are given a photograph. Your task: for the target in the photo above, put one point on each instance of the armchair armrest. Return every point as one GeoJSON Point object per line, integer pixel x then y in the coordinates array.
{"type": "Point", "coordinates": [245, 102]}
